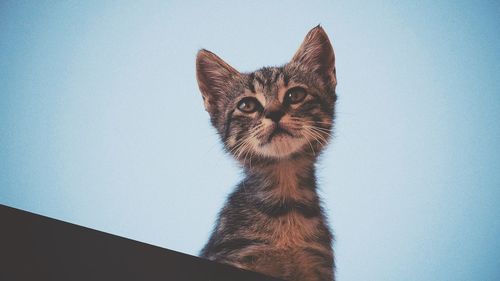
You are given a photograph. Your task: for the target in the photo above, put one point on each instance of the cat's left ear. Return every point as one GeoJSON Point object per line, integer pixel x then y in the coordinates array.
{"type": "Point", "coordinates": [316, 54]}
{"type": "Point", "coordinates": [213, 75]}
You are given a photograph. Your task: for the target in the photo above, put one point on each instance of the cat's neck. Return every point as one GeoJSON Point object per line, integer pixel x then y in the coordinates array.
{"type": "Point", "coordinates": [284, 179]}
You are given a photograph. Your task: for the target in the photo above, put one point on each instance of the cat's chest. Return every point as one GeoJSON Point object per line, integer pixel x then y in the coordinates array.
{"type": "Point", "coordinates": [292, 229]}
{"type": "Point", "coordinates": [292, 213]}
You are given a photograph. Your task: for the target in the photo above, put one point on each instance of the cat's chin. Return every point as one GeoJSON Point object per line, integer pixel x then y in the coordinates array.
{"type": "Point", "coordinates": [281, 146]}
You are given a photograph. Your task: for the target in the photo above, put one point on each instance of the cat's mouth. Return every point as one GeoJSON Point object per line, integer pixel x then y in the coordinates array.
{"type": "Point", "coordinates": [278, 131]}
{"type": "Point", "coordinates": [279, 140]}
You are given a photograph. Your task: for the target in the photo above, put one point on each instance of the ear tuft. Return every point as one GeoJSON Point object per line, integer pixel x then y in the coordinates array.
{"type": "Point", "coordinates": [316, 54]}
{"type": "Point", "coordinates": [212, 74]}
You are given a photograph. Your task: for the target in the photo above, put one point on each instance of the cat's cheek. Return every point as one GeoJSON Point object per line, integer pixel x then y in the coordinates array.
{"type": "Point", "coordinates": [231, 142]}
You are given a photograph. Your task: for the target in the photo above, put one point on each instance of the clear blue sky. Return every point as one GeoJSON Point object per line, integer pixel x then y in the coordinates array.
{"type": "Point", "coordinates": [102, 124]}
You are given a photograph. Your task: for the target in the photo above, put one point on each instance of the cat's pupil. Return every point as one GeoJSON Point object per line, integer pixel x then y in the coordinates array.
{"type": "Point", "coordinates": [295, 95]}
{"type": "Point", "coordinates": [248, 105]}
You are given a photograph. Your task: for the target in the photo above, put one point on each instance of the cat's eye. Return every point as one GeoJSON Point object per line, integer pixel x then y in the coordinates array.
{"type": "Point", "coordinates": [248, 105]}
{"type": "Point", "coordinates": [295, 95]}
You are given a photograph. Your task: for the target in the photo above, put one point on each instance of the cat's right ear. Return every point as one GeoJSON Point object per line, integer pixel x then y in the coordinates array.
{"type": "Point", "coordinates": [316, 54]}
{"type": "Point", "coordinates": [213, 75]}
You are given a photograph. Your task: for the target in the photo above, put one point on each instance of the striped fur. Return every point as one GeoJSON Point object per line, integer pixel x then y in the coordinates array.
{"type": "Point", "coordinates": [273, 221]}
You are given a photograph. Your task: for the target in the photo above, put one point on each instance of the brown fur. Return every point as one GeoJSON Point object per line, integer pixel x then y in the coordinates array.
{"type": "Point", "coordinates": [273, 222]}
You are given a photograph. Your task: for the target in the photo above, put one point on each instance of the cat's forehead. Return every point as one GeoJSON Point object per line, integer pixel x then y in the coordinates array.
{"type": "Point", "coordinates": [267, 75]}
{"type": "Point", "coordinates": [267, 81]}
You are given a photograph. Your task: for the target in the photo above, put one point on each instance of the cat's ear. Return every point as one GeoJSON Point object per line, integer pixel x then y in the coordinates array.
{"type": "Point", "coordinates": [213, 75]}
{"type": "Point", "coordinates": [316, 54]}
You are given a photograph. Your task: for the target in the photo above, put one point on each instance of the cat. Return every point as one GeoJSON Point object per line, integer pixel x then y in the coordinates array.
{"type": "Point", "coordinates": [275, 122]}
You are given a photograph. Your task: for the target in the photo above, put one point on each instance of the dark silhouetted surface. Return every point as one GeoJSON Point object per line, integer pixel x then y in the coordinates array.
{"type": "Point", "coordinates": [33, 247]}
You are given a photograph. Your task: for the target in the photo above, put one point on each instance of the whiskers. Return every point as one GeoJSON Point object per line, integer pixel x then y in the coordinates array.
{"type": "Point", "coordinates": [312, 132]}
{"type": "Point", "coordinates": [243, 147]}
{"type": "Point", "coordinates": [303, 133]}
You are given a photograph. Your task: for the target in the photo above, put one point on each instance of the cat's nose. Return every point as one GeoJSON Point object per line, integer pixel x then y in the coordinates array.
{"type": "Point", "coordinates": [274, 115]}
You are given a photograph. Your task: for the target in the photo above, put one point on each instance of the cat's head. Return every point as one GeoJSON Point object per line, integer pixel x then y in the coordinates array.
{"type": "Point", "coordinates": [274, 112]}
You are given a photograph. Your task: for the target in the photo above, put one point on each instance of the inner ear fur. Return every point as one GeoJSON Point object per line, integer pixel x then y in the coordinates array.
{"type": "Point", "coordinates": [316, 54]}
{"type": "Point", "coordinates": [213, 75]}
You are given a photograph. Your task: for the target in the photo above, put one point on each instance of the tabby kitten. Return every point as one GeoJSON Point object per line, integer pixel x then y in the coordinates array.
{"type": "Point", "coordinates": [275, 122]}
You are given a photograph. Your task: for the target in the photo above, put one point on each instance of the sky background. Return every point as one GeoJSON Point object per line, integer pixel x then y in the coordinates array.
{"type": "Point", "coordinates": [102, 123]}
